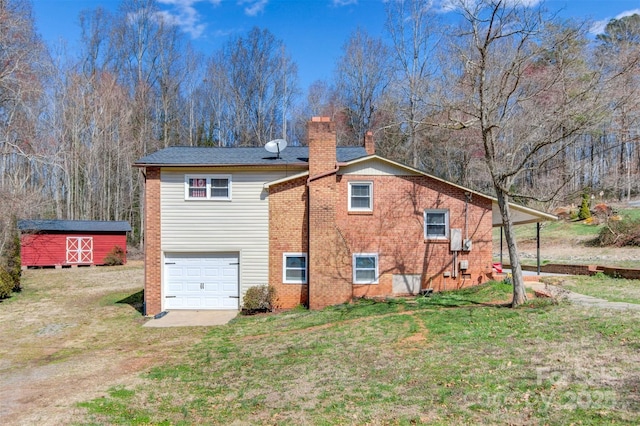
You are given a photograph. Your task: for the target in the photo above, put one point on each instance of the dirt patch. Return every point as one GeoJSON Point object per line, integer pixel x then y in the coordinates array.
{"type": "Point", "coordinates": [71, 335]}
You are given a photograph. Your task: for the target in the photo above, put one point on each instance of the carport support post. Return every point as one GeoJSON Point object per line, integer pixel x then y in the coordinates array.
{"type": "Point", "coordinates": [538, 244]}
{"type": "Point", "coordinates": [501, 246]}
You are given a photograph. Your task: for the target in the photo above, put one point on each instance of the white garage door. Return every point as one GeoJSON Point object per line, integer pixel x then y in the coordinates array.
{"type": "Point", "coordinates": [201, 281]}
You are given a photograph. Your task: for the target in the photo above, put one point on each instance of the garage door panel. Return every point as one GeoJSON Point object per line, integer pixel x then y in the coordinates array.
{"type": "Point", "coordinates": [193, 271]}
{"type": "Point", "coordinates": [201, 281]}
{"type": "Point", "coordinates": [174, 272]}
{"type": "Point", "coordinates": [192, 287]}
{"type": "Point", "coordinates": [210, 273]}
{"type": "Point", "coordinates": [229, 270]}
{"type": "Point", "coordinates": [212, 287]}
{"type": "Point", "coordinates": [229, 289]}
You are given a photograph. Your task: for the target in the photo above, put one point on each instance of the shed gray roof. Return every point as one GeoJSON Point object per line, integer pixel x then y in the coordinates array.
{"type": "Point", "coordinates": [73, 225]}
{"type": "Point", "coordinates": [255, 156]}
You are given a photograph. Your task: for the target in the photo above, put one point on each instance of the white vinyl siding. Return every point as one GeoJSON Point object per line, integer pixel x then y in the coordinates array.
{"type": "Point", "coordinates": [239, 226]}
{"type": "Point", "coordinates": [375, 168]}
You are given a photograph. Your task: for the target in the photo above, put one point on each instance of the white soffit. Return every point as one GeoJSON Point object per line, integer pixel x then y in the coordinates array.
{"type": "Point", "coordinates": [521, 215]}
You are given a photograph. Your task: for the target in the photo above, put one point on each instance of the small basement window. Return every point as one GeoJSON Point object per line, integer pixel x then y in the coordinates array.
{"type": "Point", "coordinates": [361, 196]}
{"type": "Point", "coordinates": [207, 187]}
{"type": "Point", "coordinates": [294, 270]}
{"type": "Point", "coordinates": [365, 268]}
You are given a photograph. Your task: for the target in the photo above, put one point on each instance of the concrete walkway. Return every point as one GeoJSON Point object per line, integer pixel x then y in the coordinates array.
{"type": "Point", "coordinates": [580, 299]}
{"type": "Point", "coordinates": [192, 319]}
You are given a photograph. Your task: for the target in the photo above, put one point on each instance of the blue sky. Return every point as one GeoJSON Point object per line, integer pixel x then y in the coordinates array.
{"type": "Point", "coordinates": [313, 31]}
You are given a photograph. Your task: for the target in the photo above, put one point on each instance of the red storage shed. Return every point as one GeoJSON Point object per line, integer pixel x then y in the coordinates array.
{"type": "Point", "coordinates": [70, 242]}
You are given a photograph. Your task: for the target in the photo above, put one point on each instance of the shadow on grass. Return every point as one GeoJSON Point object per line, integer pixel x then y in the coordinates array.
{"type": "Point", "coordinates": [446, 301]}
{"type": "Point", "coordinates": [135, 301]}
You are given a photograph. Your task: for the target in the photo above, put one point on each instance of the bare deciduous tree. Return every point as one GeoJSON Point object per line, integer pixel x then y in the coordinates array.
{"type": "Point", "coordinates": [24, 163]}
{"type": "Point", "coordinates": [528, 92]}
{"type": "Point", "coordinates": [362, 76]}
{"type": "Point", "coordinates": [411, 25]}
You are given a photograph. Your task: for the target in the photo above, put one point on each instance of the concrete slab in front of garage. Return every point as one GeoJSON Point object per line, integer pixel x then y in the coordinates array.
{"type": "Point", "coordinates": [189, 318]}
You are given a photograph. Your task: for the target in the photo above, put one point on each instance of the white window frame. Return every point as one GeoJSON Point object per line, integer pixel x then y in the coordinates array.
{"type": "Point", "coordinates": [446, 224]}
{"type": "Point", "coordinates": [361, 209]}
{"type": "Point", "coordinates": [209, 187]}
{"type": "Point", "coordinates": [355, 270]}
{"type": "Point", "coordinates": [285, 269]}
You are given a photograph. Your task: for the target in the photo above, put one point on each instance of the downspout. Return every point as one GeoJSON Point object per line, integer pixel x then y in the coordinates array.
{"type": "Point", "coordinates": [144, 246]}
{"type": "Point", "coordinates": [308, 245]}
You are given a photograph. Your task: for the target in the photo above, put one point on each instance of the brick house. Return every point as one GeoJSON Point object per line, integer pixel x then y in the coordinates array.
{"type": "Point", "coordinates": [322, 224]}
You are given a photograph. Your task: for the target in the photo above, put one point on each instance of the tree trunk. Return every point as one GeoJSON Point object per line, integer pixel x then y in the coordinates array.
{"type": "Point", "coordinates": [519, 293]}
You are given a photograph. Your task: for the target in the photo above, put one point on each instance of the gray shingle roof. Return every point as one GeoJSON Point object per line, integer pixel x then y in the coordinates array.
{"type": "Point", "coordinates": [258, 156]}
{"type": "Point", "coordinates": [73, 225]}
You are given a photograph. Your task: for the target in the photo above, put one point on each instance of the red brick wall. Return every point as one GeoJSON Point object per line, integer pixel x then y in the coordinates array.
{"type": "Point", "coordinates": [152, 241]}
{"type": "Point", "coordinates": [287, 234]}
{"type": "Point", "coordinates": [395, 230]}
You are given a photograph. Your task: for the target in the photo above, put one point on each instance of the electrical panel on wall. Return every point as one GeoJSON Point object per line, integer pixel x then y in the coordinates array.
{"type": "Point", "coordinates": [456, 239]}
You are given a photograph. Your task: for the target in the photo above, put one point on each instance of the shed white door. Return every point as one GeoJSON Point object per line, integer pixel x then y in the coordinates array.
{"type": "Point", "coordinates": [201, 281]}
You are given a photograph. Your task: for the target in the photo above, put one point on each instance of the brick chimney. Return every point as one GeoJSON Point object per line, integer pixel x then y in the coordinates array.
{"type": "Point", "coordinates": [369, 144]}
{"type": "Point", "coordinates": [327, 252]}
{"type": "Point", "coordinates": [322, 145]}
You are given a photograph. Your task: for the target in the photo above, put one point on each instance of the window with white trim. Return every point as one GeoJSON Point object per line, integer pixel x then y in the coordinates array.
{"type": "Point", "coordinates": [365, 268]}
{"type": "Point", "coordinates": [361, 196]}
{"type": "Point", "coordinates": [207, 187]}
{"type": "Point", "coordinates": [294, 268]}
{"type": "Point", "coordinates": [436, 224]}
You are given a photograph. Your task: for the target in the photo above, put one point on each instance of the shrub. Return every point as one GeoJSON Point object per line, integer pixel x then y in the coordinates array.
{"type": "Point", "coordinates": [6, 283]}
{"type": "Point", "coordinates": [14, 261]}
{"type": "Point", "coordinates": [584, 212]}
{"type": "Point", "coordinates": [114, 257]}
{"type": "Point", "coordinates": [10, 261]}
{"type": "Point", "coordinates": [620, 233]}
{"type": "Point", "coordinates": [258, 298]}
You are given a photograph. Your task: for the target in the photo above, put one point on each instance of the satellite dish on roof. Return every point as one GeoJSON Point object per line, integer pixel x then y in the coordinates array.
{"type": "Point", "coordinates": [276, 146]}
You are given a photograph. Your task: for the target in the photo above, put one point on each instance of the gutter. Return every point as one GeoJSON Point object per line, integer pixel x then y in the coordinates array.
{"type": "Point", "coordinates": [324, 174]}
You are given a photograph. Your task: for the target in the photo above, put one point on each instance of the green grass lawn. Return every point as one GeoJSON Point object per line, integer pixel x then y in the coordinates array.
{"type": "Point", "coordinates": [565, 230]}
{"type": "Point", "coordinates": [554, 231]}
{"type": "Point", "coordinates": [603, 287]}
{"type": "Point", "coordinates": [453, 358]}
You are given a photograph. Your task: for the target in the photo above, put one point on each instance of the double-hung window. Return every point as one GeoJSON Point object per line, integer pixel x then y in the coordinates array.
{"type": "Point", "coordinates": [365, 268]}
{"type": "Point", "coordinates": [436, 224]}
{"type": "Point", "coordinates": [294, 268]}
{"type": "Point", "coordinates": [207, 187]}
{"type": "Point", "coordinates": [361, 196]}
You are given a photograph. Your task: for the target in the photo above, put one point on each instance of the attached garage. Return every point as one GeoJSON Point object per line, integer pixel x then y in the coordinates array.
{"type": "Point", "coordinates": [201, 281]}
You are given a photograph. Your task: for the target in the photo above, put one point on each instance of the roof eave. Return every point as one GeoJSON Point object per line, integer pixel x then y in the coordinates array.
{"type": "Point", "coordinates": [218, 165]}
{"type": "Point", "coordinates": [536, 215]}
